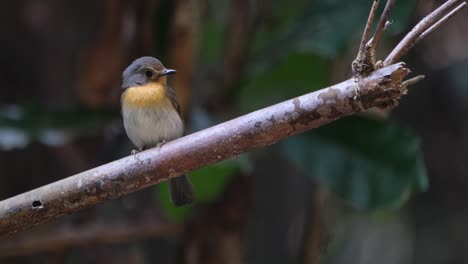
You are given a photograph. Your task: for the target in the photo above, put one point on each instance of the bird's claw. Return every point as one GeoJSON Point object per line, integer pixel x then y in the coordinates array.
{"type": "Point", "coordinates": [134, 152]}
{"type": "Point", "coordinates": [160, 144]}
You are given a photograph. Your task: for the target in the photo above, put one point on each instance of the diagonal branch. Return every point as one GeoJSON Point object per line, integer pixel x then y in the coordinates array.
{"type": "Point", "coordinates": [224, 141]}
{"type": "Point", "coordinates": [440, 22]}
{"type": "Point", "coordinates": [382, 24]}
{"type": "Point", "coordinates": [367, 29]}
{"type": "Point", "coordinates": [378, 88]}
{"type": "Point", "coordinates": [418, 31]}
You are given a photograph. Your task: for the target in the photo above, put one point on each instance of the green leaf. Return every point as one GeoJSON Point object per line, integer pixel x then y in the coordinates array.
{"type": "Point", "coordinates": [208, 182]}
{"type": "Point", "coordinates": [371, 164]}
{"type": "Point", "coordinates": [297, 74]}
{"type": "Point", "coordinates": [322, 27]}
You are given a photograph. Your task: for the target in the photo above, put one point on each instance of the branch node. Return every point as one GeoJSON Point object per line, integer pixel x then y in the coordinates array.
{"type": "Point", "coordinates": [363, 64]}
{"type": "Point", "coordinates": [366, 61]}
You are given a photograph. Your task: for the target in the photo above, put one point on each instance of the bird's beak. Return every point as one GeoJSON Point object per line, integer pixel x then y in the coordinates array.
{"type": "Point", "coordinates": [168, 72]}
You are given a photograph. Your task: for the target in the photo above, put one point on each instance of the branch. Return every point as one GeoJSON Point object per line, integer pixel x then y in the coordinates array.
{"type": "Point", "coordinates": [440, 22]}
{"type": "Point", "coordinates": [65, 237]}
{"type": "Point", "coordinates": [363, 62]}
{"type": "Point", "coordinates": [379, 88]}
{"type": "Point", "coordinates": [421, 30]}
{"type": "Point", "coordinates": [384, 19]}
{"type": "Point", "coordinates": [224, 141]}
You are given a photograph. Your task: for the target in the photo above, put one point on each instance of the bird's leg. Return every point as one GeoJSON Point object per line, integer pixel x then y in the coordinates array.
{"type": "Point", "coordinates": [161, 143]}
{"type": "Point", "coordinates": [135, 151]}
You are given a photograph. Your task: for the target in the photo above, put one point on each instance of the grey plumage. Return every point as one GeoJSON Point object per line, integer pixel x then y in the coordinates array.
{"type": "Point", "coordinates": [134, 74]}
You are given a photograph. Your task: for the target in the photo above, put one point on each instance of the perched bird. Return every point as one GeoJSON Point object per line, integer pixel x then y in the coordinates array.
{"type": "Point", "coordinates": [152, 116]}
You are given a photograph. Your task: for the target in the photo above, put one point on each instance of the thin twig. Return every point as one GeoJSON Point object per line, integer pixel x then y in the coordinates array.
{"type": "Point", "coordinates": [64, 237]}
{"type": "Point", "coordinates": [413, 80]}
{"type": "Point", "coordinates": [382, 25]}
{"type": "Point", "coordinates": [408, 41]}
{"type": "Point", "coordinates": [363, 63]}
{"type": "Point", "coordinates": [370, 21]}
{"type": "Point", "coordinates": [440, 22]}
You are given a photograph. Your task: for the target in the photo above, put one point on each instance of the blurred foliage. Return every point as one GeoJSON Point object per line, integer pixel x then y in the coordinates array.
{"type": "Point", "coordinates": [22, 124]}
{"type": "Point", "coordinates": [460, 78]}
{"type": "Point", "coordinates": [370, 163]}
{"type": "Point", "coordinates": [208, 183]}
{"type": "Point", "coordinates": [211, 42]}
{"type": "Point", "coordinates": [298, 74]}
{"type": "Point", "coordinates": [322, 27]}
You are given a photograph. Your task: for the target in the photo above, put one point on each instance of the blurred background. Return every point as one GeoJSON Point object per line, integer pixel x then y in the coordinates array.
{"type": "Point", "coordinates": [381, 187]}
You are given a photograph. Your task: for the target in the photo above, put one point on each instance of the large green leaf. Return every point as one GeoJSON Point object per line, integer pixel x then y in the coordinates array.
{"type": "Point", "coordinates": [370, 163]}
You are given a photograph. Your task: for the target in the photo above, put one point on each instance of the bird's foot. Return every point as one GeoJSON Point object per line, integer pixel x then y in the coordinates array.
{"type": "Point", "coordinates": [134, 152]}
{"type": "Point", "coordinates": [160, 144]}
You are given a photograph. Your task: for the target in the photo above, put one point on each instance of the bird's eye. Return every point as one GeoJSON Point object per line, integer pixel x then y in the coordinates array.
{"type": "Point", "coordinates": [149, 73]}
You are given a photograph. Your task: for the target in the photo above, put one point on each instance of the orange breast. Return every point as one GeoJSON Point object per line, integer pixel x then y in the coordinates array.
{"type": "Point", "coordinates": [151, 94]}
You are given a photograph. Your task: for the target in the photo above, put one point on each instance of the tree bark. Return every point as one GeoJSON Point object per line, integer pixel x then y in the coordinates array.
{"type": "Point", "coordinates": [224, 141]}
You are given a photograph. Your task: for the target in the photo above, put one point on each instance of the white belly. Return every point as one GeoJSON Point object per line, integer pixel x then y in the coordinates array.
{"type": "Point", "coordinates": [148, 126]}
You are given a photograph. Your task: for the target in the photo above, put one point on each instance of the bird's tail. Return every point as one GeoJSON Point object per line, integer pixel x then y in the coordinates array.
{"type": "Point", "coordinates": [181, 190]}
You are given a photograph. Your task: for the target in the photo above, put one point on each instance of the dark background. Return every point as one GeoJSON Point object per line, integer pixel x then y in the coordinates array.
{"type": "Point", "coordinates": [382, 187]}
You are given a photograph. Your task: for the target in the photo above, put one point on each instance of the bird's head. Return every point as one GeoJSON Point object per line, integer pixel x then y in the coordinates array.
{"type": "Point", "coordinates": [143, 71]}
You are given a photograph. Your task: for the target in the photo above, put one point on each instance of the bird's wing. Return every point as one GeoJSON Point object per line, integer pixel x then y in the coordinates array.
{"type": "Point", "coordinates": [173, 98]}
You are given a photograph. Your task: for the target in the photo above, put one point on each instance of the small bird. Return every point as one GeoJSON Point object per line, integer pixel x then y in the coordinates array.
{"type": "Point", "coordinates": [152, 116]}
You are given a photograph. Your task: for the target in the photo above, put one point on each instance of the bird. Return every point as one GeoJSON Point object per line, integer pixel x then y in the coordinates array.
{"type": "Point", "coordinates": [152, 116]}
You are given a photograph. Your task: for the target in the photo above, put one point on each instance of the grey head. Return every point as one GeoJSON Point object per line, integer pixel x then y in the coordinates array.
{"type": "Point", "coordinates": [142, 71]}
